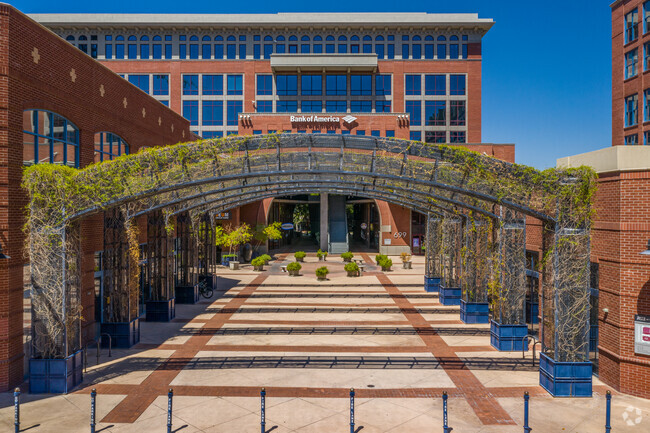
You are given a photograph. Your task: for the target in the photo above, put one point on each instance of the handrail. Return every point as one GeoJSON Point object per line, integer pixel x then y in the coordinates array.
{"type": "Point", "coordinates": [98, 343]}
{"type": "Point", "coordinates": [523, 348]}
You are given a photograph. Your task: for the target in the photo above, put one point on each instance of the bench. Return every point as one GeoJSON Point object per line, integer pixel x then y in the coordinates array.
{"type": "Point", "coordinates": [284, 268]}
{"type": "Point", "coordinates": [358, 261]}
{"type": "Point", "coordinates": [361, 269]}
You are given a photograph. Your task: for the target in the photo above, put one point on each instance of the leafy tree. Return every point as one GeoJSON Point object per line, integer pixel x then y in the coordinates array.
{"type": "Point", "coordinates": [232, 237]}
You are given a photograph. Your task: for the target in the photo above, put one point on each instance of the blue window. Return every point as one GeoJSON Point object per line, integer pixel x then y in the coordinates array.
{"type": "Point", "coordinates": [140, 81]}
{"type": "Point", "coordinates": [119, 48]}
{"type": "Point", "coordinates": [457, 113]}
{"type": "Point", "coordinates": [213, 84]}
{"type": "Point", "coordinates": [646, 17]}
{"type": "Point", "coordinates": [218, 51]}
{"type": "Point", "coordinates": [165, 103]}
{"type": "Point", "coordinates": [457, 137]}
{"type": "Point", "coordinates": [231, 51]}
{"type": "Point", "coordinates": [375, 133]}
{"type": "Point", "coordinates": [343, 48]}
{"type": "Point", "coordinates": [331, 131]}
{"type": "Point", "coordinates": [382, 85]}
{"type": "Point", "coordinates": [631, 60]}
{"type": "Point", "coordinates": [109, 146]}
{"type": "Point", "coordinates": [382, 106]}
{"type": "Point", "coordinates": [336, 106]}
{"type": "Point", "coordinates": [242, 38]}
{"type": "Point", "coordinates": [234, 108]}
{"type": "Point", "coordinates": [442, 51]}
{"type": "Point", "coordinates": [194, 48]}
{"type": "Point", "coordinates": [242, 51]}
{"type": "Point", "coordinates": [108, 51]}
{"type": "Point", "coordinates": [646, 105]}
{"type": "Point", "coordinates": [157, 48]}
{"type": "Point", "coordinates": [361, 106]}
{"type": "Point", "coordinates": [631, 106]}
{"type": "Point", "coordinates": [182, 51]}
{"type": "Point", "coordinates": [465, 51]}
{"type": "Point", "coordinates": [168, 51]}
{"type": "Point", "coordinates": [435, 136]}
{"type": "Point", "coordinates": [360, 85]}
{"type": "Point", "coordinates": [144, 51]}
{"type": "Point", "coordinates": [631, 140]}
{"type": "Point", "coordinates": [293, 49]}
{"type": "Point", "coordinates": [264, 84]}
{"type": "Point", "coordinates": [415, 136]}
{"type": "Point", "coordinates": [212, 113]}
{"type": "Point", "coordinates": [286, 85]}
{"type": "Point", "coordinates": [435, 113]}
{"type": "Point", "coordinates": [391, 51]}
{"type": "Point", "coordinates": [417, 49]}
{"type": "Point", "coordinates": [405, 51]}
{"type": "Point", "coordinates": [435, 84]}
{"type": "Point", "coordinates": [336, 85]}
{"type": "Point", "coordinates": [390, 133]}
{"type": "Point", "coordinates": [453, 51]}
{"type": "Point", "coordinates": [206, 50]}
{"type": "Point", "coordinates": [257, 132]}
{"type": "Point", "coordinates": [48, 137]}
{"type": "Point", "coordinates": [457, 85]}
{"type": "Point", "coordinates": [646, 56]}
{"type": "Point", "coordinates": [312, 85]}
{"type": "Point", "coordinates": [315, 131]}
{"type": "Point", "coordinates": [631, 26]}
{"type": "Point", "coordinates": [361, 132]}
{"type": "Point", "coordinates": [212, 134]}
{"type": "Point", "coordinates": [133, 51]}
{"type": "Point", "coordinates": [429, 48]}
{"type": "Point", "coordinates": [268, 50]}
{"type": "Point", "coordinates": [304, 48]}
{"type": "Point", "coordinates": [161, 84]}
{"type": "Point", "coordinates": [329, 48]}
{"type": "Point", "coordinates": [235, 84]}
{"type": "Point", "coordinates": [190, 84]}
{"type": "Point", "coordinates": [264, 106]}
{"type": "Point", "coordinates": [311, 106]}
{"type": "Point", "coordinates": [257, 52]}
{"type": "Point", "coordinates": [646, 138]}
{"type": "Point", "coordinates": [286, 106]}
{"type": "Point", "coordinates": [191, 112]}
{"type": "Point", "coordinates": [345, 132]}
{"type": "Point", "coordinates": [379, 50]}
{"type": "Point", "coordinates": [414, 109]}
{"type": "Point", "coordinates": [413, 85]}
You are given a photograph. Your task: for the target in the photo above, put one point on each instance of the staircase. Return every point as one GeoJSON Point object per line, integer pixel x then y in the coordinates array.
{"type": "Point", "coordinates": [338, 225]}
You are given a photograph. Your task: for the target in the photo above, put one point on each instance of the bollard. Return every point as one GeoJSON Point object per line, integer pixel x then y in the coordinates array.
{"type": "Point", "coordinates": [263, 409]}
{"type": "Point", "coordinates": [608, 413]}
{"type": "Point", "coordinates": [16, 410]}
{"type": "Point", "coordinates": [170, 396]}
{"type": "Point", "coordinates": [445, 426]}
{"type": "Point", "coordinates": [351, 410]}
{"type": "Point", "coordinates": [526, 398]}
{"type": "Point", "coordinates": [93, 398]}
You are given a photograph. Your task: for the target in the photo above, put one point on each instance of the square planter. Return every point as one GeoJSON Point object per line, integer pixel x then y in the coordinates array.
{"type": "Point", "coordinates": [226, 260]}
{"type": "Point", "coordinates": [474, 312]}
{"type": "Point", "coordinates": [532, 312]}
{"type": "Point", "coordinates": [450, 295]}
{"type": "Point", "coordinates": [507, 338]}
{"type": "Point", "coordinates": [187, 294]}
{"type": "Point", "coordinates": [55, 376]}
{"type": "Point", "coordinates": [565, 379]}
{"type": "Point", "coordinates": [431, 284]}
{"type": "Point", "coordinates": [123, 335]}
{"type": "Point", "coordinates": [210, 280]}
{"type": "Point", "coordinates": [161, 311]}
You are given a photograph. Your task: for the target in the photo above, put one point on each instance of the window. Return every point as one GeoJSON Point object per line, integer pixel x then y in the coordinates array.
{"type": "Point", "coordinates": [286, 106]}
{"type": "Point", "coordinates": [242, 51]}
{"type": "Point", "coordinates": [133, 49]}
{"type": "Point", "coordinates": [234, 108]}
{"type": "Point", "coordinates": [415, 136]}
{"type": "Point", "coordinates": [435, 113]}
{"type": "Point", "coordinates": [336, 85]}
{"type": "Point", "coordinates": [109, 146]}
{"type": "Point", "coordinates": [414, 108]}
{"type": "Point", "coordinates": [375, 133]}
{"type": "Point", "coordinates": [429, 48]}
{"type": "Point", "coordinates": [144, 48]}
{"type": "Point", "coordinates": [168, 51]}
{"type": "Point", "coordinates": [382, 85]}
{"type": "Point", "coordinates": [264, 106]}
{"type": "Point", "coordinates": [268, 50]}
{"type": "Point", "coordinates": [453, 49]}
{"type": "Point", "coordinates": [630, 63]}
{"type": "Point", "coordinates": [457, 113]}
{"type": "Point", "coordinates": [631, 140]}
{"type": "Point", "coordinates": [336, 106]}
{"type": "Point", "coordinates": [161, 84]}
{"type": "Point", "coordinates": [457, 85]}
{"type": "Point", "coordinates": [413, 85]}
{"type": "Point", "coordinates": [213, 84]}
{"type": "Point", "coordinates": [631, 26]}
{"type": "Point", "coordinates": [361, 132]}
{"type": "Point", "coordinates": [435, 136]}
{"type": "Point", "coordinates": [256, 52]}
{"type": "Point", "coordinates": [646, 138]}
{"type": "Point", "coordinates": [360, 85]}
{"type": "Point", "coordinates": [312, 85]}
{"type": "Point", "coordinates": [646, 56]}
{"type": "Point", "coordinates": [457, 137]}
{"type": "Point", "coordinates": [119, 48]}
{"type": "Point", "coordinates": [361, 106]}
{"type": "Point", "coordinates": [212, 134]}
{"type": "Point", "coordinates": [646, 105]}
{"type": "Point", "coordinates": [257, 132]}
{"type": "Point", "coordinates": [48, 137]}
{"type": "Point", "coordinates": [442, 50]}
{"type": "Point", "coordinates": [231, 51]}
{"type": "Point", "coordinates": [190, 84]}
{"type": "Point", "coordinates": [218, 51]}
{"type": "Point", "coordinates": [206, 47]}
{"type": "Point", "coordinates": [311, 106]}
{"type": "Point", "coordinates": [235, 85]}
{"type": "Point", "coordinates": [382, 106]}
{"type": "Point", "coordinates": [631, 103]}
{"type": "Point", "coordinates": [379, 50]}
{"type": "Point", "coordinates": [264, 84]}
{"type": "Point", "coordinates": [157, 48]}
{"type": "Point", "coordinates": [435, 85]}
{"type": "Point", "coordinates": [646, 17]}
{"type": "Point", "coordinates": [286, 85]}
{"type": "Point", "coordinates": [191, 112]}
{"type": "Point", "coordinates": [416, 49]}
{"type": "Point", "coordinates": [140, 81]}
{"type": "Point", "coordinates": [391, 51]}
{"type": "Point", "coordinates": [212, 113]}
{"type": "Point", "coordinates": [390, 133]}
{"type": "Point", "coordinates": [108, 48]}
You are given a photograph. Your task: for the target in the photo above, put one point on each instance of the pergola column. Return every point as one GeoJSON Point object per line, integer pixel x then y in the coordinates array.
{"type": "Point", "coordinates": [160, 301]}
{"type": "Point", "coordinates": [186, 262]}
{"type": "Point", "coordinates": [452, 239]}
{"type": "Point", "coordinates": [207, 251]}
{"type": "Point", "coordinates": [433, 244]}
{"type": "Point", "coordinates": [476, 254]}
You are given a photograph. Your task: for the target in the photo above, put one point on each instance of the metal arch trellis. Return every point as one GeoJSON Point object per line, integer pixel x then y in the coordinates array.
{"type": "Point", "coordinates": [428, 177]}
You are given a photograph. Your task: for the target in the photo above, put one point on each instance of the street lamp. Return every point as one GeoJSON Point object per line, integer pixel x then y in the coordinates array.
{"type": "Point", "coordinates": [647, 250]}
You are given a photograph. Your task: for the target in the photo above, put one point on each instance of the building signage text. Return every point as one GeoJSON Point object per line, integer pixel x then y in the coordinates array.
{"type": "Point", "coordinates": [315, 119]}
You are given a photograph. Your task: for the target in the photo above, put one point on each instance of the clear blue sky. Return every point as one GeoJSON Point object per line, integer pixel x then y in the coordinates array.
{"type": "Point", "coordinates": [546, 66]}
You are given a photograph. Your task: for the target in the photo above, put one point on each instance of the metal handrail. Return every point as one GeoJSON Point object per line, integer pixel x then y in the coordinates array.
{"type": "Point", "coordinates": [98, 343]}
{"type": "Point", "coordinates": [523, 348]}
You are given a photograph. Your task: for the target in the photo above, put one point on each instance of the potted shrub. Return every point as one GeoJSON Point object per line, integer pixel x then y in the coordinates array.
{"type": "Point", "coordinates": [266, 258]}
{"type": "Point", "coordinates": [300, 256]}
{"type": "Point", "coordinates": [322, 255]}
{"type": "Point", "coordinates": [294, 269]}
{"type": "Point", "coordinates": [380, 258]}
{"type": "Point", "coordinates": [321, 273]}
{"type": "Point", "coordinates": [258, 263]}
{"type": "Point", "coordinates": [406, 260]}
{"type": "Point", "coordinates": [352, 269]}
{"type": "Point", "coordinates": [347, 257]}
{"type": "Point", "coordinates": [386, 264]}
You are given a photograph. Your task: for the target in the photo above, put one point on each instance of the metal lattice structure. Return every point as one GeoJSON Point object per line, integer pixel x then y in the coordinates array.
{"type": "Point", "coordinates": [509, 295]}
{"type": "Point", "coordinates": [476, 254]}
{"type": "Point", "coordinates": [452, 243]}
{"type": "Point", "coordinates": [433, 246]}
{"type": "Point", "coordinates": [218, 175]}
{"type": "Point", "coordinates": [186, 252]}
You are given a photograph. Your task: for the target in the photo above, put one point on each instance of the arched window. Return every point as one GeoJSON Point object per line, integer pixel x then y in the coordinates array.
{"type": "Point", "coordinates": [70, 38]}
{"type": "Point", "coordinates": [206, 38]}
{"type": "Point", "coordinates": [83, 38]}
{"type": "Point", "coordinates": [329, 38]}
{"type": "Point", "coordinates": [304, 38]}
{"type": "Point", "coordinates": [280, 38]}
{"type": "Point", "coordinates": [442, 38]}
{"type": "Point", "coordinates": [416, 38]}
{"type": "Point", "coordinates": [109, 146]}
{"type": "Point", "coordinates": [133, 38]}
{"type": "Point", "coordinates": [367, 38]}
{"type": "Point", "coordinates": [379, 38]}
{"type": "Point", "coordinates": [453, 38]}
{"type": "Point", "coordinates": [231, 38]}
{"type": "Point", "coordinates": [119, 38]}
{"type": "Point", "coordinates": [194, 38]}
{"type": "Point", "coordinates": [268, 38]}
{"type": "Point", "coordinates": [218, 38]}
{"type": "Point", "coordinates": [428, 38]}
{"type": "Point", "coordinates": [352, 38]}
{"type": "Point", "coordinates": [49, 138]}
{"type": "Point", "coordinates": [157, 38]}
{"type": "Point", "coordinates": [343, 38]}
{"type": "Point", "coordinates": [318, 38]}
{"type": "Point", "coordinates": [293, 38]}
{"type": "Point", "coordinates": [144, 38]}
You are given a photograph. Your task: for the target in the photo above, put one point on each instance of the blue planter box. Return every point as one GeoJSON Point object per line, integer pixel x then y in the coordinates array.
{"type": "Point", "coordinates": [431, 284]}
{"type": "Point", "coordinates": [474, 312]}
{"type": "Point", "coordinates": [565, 379]}
{"type": "Point", "coordinates": [55, 376]}
{"type": "Point", "coordinates": [187, 294]}
{"type": "Point", "coordinates": [449, 296]}
{"type": "Point", "coordinates": [593, 338]}
{"type": "Point", "coordinates": [210, 279]}
{"type": "Point", "coordinates": [161, 311]}
{"type": "Point", "coordinates": [123, 335]}
{"type": "Point", "coordinates": [226, 260]}
{"type": "Point", "coordinates": [532, 317]}
{"type": "Point", "coordinates": [508, 338]}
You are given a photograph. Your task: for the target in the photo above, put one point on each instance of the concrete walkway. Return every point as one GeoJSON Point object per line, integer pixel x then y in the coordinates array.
{"type": "Point", "coordinates": [308, 342]}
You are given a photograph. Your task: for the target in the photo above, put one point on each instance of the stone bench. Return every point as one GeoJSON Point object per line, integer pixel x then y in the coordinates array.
{"type": "Point", "coordinates": [284, 268]}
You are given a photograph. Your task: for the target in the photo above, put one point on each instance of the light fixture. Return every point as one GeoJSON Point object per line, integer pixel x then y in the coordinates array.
{"type": "Point", "coordinates": [3, 255]}
{"type": "Point", "coordinates": [647, 250]}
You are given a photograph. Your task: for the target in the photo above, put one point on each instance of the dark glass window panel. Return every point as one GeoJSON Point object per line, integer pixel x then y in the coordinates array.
{"type": "Point", "coordinates": [212, 113]}
{"type": "Point", "coordinates": [213, 84]}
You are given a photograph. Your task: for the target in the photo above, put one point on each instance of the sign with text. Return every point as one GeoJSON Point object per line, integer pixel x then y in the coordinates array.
{"type": "Point", "coordinates": [315, 119]}
{"type": "Point", "coordinates": [222, 216]}
{"type": "Point", "coordinates": [287, 226]}
{"type": "Point", "coordinates": [642, 335]}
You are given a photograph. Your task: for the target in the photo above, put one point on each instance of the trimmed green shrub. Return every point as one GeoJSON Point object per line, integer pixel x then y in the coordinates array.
{"type": "Point", "coordinates": [347, 256]}
{"type": "Point", "coordinates": [322, 272]}
{"type": "Point", "coordinates": [258, 261]}
{"type": "Point", "coordinates": [300, 255]}
{"type": "Point", "coordinates": [386, 264]}
{"type": "Point", "coordinates": [266, 258]}
{"type": "Point", "coordinates": [351, 268]}
{"type": "Point", "coordinates": [294, 266]}
{"type": "Point", "coordinates": [321, 254]}
{"type": "Point", "coordinates": [380, 258]}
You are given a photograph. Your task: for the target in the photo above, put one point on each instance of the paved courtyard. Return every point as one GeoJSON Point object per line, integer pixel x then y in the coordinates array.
{"type": "Point", "coordinates": [308, 342]}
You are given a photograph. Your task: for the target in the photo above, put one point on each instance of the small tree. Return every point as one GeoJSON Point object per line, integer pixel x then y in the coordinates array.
{"type": "Point", "coordinates": [263, 233]}
{"type": "Point", "coordinates": [232, 237]}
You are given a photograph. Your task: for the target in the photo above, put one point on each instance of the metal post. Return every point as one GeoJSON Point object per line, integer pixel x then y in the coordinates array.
{"type": "Point", "coordinates": [352, 410]}
{"type": "Point", "coordinates": [526, 398]}
{"type": "Point", "coordinates": [263, 409]}
{"type": "Point", "coordinates": [93, 398]}
{"type": "Point", "coordinates": [608, 413]}
{"type": "Point", "coordinates": [16, 410]}
{"type": "Point", "coordinates": [170, 396]}
{"type": "Point", "coordinates": [445, 426]}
